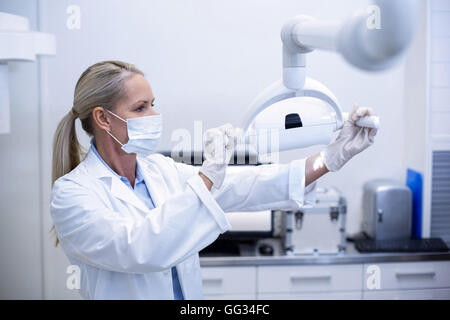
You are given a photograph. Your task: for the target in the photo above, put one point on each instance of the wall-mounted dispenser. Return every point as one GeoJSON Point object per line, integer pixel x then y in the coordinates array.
{"type": "Point", "coordinates": [18, 43]}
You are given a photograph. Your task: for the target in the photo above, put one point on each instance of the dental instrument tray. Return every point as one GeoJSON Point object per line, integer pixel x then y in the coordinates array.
{"type": "Point", "coordinates": [319, 229]}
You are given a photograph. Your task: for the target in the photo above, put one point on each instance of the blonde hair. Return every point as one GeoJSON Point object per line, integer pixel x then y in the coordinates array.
{"type": "Point", "coordinates": [101, 85]}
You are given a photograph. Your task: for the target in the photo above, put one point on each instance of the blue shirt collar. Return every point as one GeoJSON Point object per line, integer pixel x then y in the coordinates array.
{"type": "Point", "coordinates": [139, 176]}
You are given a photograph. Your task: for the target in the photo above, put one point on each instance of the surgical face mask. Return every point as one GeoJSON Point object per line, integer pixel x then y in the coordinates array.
{"type": "Point", "coordinates": [144, 134]}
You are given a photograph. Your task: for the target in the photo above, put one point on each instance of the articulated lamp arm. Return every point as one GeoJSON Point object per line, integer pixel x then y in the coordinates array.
{"type": "Point", "coordinates": [367, 45]}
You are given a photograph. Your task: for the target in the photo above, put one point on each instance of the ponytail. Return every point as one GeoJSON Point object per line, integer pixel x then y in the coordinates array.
{"type": "Point", "coordinates": [67, 150]}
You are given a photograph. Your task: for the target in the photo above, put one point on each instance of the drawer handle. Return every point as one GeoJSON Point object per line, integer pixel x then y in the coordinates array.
{"type": "Point", "coordinates": [213, 281]}
{"type": "Point", "coordinates": [422, 273]}
{"type": "Point", "coordinates": [319, 276]}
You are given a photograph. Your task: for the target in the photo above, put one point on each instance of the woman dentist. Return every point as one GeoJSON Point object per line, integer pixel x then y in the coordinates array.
{"type": "Point", "coordinates": [133, 220]}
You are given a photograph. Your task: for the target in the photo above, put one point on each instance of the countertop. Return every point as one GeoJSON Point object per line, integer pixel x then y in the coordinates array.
{"type": "Point", "coordinates": [350, 256]}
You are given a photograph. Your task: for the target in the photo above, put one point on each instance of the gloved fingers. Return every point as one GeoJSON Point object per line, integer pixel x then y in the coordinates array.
{"type": "Point", "coordinates": [213, 144]}
{"type": "Point", "coordinates": [372, 134]}
{"type": "Point", "coordinates": [364, 138]}
{"type": "Point", "coordinates": [352, 113]}
{"type": "Point", "coordinates": [229, 130]}
{"type": "Point", "coordinates": [360, 112]}
{"type": "Point", "coordinates": [234, 135]}
{"type": "Point", "coordinates": [212, 134]}
{"type": "Point", "coordinates": [220, 143]}
{"type": "Point", "coordinates": [226, 128]}
{"type": "Point", "coordinates": [364, 111]}
{"type": "Point", "coordinates": [212, 138]}
{"type": "Point", "coordinates": [351, 140]}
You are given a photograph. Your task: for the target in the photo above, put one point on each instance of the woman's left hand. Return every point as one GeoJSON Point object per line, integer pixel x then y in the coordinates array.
{"type": "Point", "coordinates": [352, 139]}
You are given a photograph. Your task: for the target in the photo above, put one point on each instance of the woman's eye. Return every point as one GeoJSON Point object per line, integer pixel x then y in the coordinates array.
{"type": "Point", "coordinates": [139, 109]}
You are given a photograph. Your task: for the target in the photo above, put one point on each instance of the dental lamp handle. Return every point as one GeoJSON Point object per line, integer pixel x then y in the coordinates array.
{"type": "Point", "coordinates": [368, 121]}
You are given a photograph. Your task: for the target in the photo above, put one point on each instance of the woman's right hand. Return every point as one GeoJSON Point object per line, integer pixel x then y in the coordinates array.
{"type": "Point", "coordinates": [218, 149]}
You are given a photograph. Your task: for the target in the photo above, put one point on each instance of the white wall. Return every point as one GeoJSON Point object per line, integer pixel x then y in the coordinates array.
{"type": "Point", "coordinates": [205, 60]}
{"type": "Point", "coordinates": [436, 215]}
{"type": "Point", "coordinates": [440, 69]}
{"type": "Point", "coordinates": [415, 102]}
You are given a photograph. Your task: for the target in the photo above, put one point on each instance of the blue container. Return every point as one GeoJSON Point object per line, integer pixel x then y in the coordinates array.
{"type": "Point", "coordinates": [414, 181]}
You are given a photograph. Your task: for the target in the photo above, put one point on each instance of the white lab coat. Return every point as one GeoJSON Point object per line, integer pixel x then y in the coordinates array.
{"type": "Point", "coordinates": [126, 251]}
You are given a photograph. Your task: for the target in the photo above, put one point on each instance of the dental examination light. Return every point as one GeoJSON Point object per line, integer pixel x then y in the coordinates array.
{"type": "Point", "coordinates": [305, 112]}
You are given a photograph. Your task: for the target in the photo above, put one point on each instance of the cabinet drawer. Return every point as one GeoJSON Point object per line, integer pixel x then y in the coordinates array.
{"type": "Point", "coordinates": [350, 295]}
{"type": "Point", "coordinates": [424, 294]}
{"type": "Point", "coordinates": [309, 278]}
{"type": "Point", "coordinates": [408, 275]}
{"type": "Point", "coordinates": [235, 296]}
{"type": "Point", "coordinates": [221, 280]}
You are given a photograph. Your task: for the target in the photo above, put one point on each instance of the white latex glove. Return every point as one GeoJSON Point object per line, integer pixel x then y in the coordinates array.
{"type": "Point", "coordinates": [352, 139]}
{"type": "Point", "coordinates": [218, 150]}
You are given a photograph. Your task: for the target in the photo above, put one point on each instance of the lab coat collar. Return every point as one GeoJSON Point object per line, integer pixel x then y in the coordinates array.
{"type": "Point", "coordinates": [118, 189]}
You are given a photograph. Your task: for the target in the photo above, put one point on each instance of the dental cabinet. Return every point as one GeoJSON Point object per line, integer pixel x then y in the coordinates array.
{"type": "Point", "coordinates": [350, 276]}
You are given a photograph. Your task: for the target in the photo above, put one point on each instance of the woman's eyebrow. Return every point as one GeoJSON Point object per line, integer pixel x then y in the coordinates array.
{"type": "Point", "coordinates": [139, 101]}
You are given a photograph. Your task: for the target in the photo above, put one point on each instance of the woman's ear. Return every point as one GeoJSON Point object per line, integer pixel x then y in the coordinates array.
{"type": "Point", "coordinates": [101, 118]}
